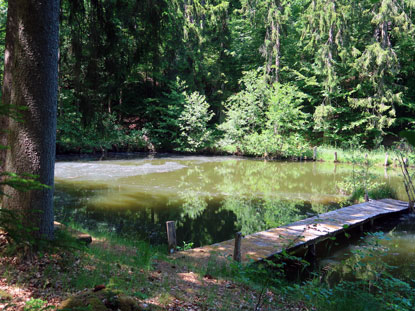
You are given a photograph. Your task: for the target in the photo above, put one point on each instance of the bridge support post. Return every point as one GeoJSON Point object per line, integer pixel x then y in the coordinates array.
{"type": "Point", "coordinates": [312, 252]}
{"type": "Point", "coordinates": [237, 249]}
{"type": "Point", "coordinates": [171, 236]}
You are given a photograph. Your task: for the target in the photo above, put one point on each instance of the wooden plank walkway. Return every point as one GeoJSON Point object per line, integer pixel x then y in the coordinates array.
{"type": "Point", "coordinates": [302, 233]}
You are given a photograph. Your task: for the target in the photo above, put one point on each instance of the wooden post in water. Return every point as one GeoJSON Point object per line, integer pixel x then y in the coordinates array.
{"type": "Point", "coordinates": [315, 153]}
{"type": "Point", "coordinates": [411, 206]}
{"type": "Point", "coordinates": [237, 250]}
{"type": "Point", "coordinates": [171, 236]}
{"type": "Point", "coordinates": [386, 159]}
{"type": "Point", "coordinates": [335, 156]}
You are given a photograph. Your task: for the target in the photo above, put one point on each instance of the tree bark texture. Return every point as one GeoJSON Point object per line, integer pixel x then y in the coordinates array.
{"type": "Point", "coordinates": [31, 83]}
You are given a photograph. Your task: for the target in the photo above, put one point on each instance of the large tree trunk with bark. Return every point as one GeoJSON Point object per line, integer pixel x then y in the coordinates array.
{"type": "Point", "coordinates": [31, 83]}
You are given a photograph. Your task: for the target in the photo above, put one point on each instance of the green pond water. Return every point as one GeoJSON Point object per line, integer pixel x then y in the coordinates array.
{"type": "Point", "coordinates": [210, 198]}
{"type": "Point", "coordinates": [389, 248]}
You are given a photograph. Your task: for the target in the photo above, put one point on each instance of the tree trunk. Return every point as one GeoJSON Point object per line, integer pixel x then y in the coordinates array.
{"type": "Point", "coordinates": [31, 83]}
{"type": "Point", "coordinates": [3, 142]}
{"type": "Point", "coordinates": [277, 52]}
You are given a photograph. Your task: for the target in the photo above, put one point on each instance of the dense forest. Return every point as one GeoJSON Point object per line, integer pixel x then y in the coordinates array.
{"type": "Point", "coordinates": [243, 76]}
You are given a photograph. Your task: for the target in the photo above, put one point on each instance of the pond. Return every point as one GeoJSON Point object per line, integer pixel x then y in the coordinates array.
{"type": "Point", "coordinates": [210, 198]}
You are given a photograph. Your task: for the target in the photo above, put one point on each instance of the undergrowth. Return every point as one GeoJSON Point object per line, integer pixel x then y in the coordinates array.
{"type": "Point", "coordinates": [131, 267]}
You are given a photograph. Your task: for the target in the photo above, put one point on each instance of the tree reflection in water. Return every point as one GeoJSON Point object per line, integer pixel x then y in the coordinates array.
{"type": "Point", "coordinates": [209, 198]}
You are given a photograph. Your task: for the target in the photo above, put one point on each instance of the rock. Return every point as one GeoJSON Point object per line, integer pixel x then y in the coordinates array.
{"type": "Point", "coordinates": [103, 300]}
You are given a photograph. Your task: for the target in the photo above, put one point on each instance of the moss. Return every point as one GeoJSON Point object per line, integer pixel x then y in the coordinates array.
{"type": "Point", "coordinates": [104, 300]}
{"type": "Point", "coordinates": [83, 302]}
{"type": "Point", "coordinates": [96, 304]}
{"type": "Point", "coordinates": [126, 303]}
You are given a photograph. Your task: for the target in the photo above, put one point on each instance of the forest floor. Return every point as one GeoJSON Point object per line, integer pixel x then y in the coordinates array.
{"type": "Point", "coordinates": [44, 280]}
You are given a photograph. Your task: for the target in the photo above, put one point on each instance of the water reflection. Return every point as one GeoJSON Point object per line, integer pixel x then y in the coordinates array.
{"type": "Point", "coordinates": [210, 198]}
{"type": "Point", "coordinates": [389, 250]}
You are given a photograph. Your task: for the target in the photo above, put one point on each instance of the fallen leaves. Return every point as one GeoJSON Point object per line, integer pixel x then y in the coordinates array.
{"type": "Point", "coordinates": [169, 286]}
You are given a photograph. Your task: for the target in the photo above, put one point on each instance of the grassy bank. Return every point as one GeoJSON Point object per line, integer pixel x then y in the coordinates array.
{"type": "Point", "coordinates": [158, 282]}
{"type": "Point", "coordinates": [136, 269]}
{"type": "Point", "coordinates": [376, 157]}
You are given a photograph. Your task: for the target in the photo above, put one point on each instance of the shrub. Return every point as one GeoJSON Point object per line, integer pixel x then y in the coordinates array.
{"type": "Point", "coordinates": [265, 119]}
{"type": "Point", "coordinates": [193, 123]}
{"type": "Point", "coordinates": [103, 132]}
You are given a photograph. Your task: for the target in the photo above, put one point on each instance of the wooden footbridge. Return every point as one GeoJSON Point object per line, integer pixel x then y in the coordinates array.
{"type": "Point", "coordinates": [301, 234]}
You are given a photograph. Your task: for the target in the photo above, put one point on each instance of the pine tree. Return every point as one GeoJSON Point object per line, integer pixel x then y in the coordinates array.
{"type": "Point", "coordinates": [31, 82]}
{"type": "Point", "coordinates": [378, 93]}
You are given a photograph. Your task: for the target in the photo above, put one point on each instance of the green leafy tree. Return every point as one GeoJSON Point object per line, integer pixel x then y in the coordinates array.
{"type": "Point", "coordinates": [193, 123]}
{"type": "Point", "coordinates": [285, 114]}
{"type": "Point", "coordinates": [246, 110]}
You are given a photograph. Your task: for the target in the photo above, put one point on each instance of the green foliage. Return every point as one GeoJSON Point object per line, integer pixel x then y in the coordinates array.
{"type": "Point", "coordinates": [265, 120]}
{"type": "Point", "coordinates": [362, 181]}
{"type": "Point", "coordinates": [271, 145]}
{"type": "Point", "coordinates": [343, 297]}
{"type": "Point", "coordinates": [285, 114]}
{"type": "Point", "coordinates": [22, 182]}
{"type": "Point", "coordinates": [409, 136]}
{"type": "Point", "coordinates": [164, 131]}
{"type": "Point", "coordinates": [246, 110]}
{"type": "Point", "coordinates": [185, 247]}
{"type": "Point", "coordinates": [16, 233]}
{"type": "Point", "coordinates": [22, 239]}
{"type": "Point", "coordinates": [375, 190]}
{"type": "Point", "coordinates": [182, 119]}
{"type": "Point", "coordinates": [344, 69]}
{"type": "Point", "coordinates": [357, 156]}
{"type": "Point", "coordinates": [103, 132]}
{"type": "Point", "coordinates": [361, 282]}
{"type": "Point", "coordinates": [193, 123]}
